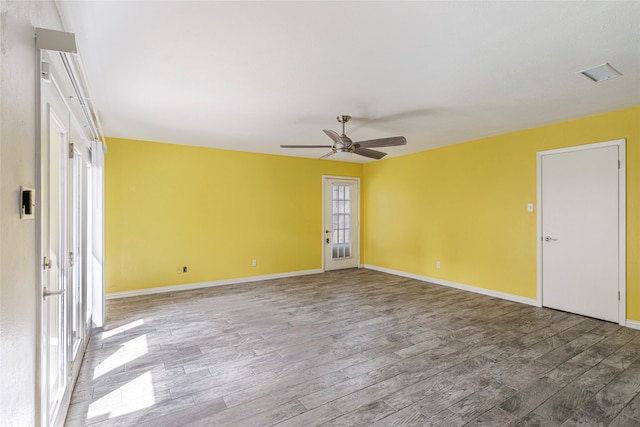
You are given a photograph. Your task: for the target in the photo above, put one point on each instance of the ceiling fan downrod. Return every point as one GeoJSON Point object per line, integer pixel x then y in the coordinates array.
{"type": "Point", "coordinates": [343, 119]}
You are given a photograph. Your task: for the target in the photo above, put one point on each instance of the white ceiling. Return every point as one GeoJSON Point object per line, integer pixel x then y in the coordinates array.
{"type": "Point", "coordinates": [253, 75]}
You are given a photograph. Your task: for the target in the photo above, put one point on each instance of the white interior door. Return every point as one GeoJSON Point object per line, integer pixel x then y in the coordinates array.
{"type": "Point", "coordinates": [341, 223]}
{"type": "Point", "coordinates": [580, 231]}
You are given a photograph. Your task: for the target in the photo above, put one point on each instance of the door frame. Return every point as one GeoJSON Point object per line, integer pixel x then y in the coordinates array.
{"type": "Point", "coordinates": [358, 228]}
{"type": "Point", "coordinates": [622, 215]}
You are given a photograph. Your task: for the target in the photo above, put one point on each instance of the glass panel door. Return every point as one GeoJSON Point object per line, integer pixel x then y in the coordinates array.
{"type": "Point", "coordinates": [342, 223]}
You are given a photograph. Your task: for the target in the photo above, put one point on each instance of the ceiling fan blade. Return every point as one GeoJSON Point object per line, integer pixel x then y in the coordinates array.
{"type": "Point", "coordinates": [383, 142]}
{"type": "Point", "coordinates": [330, 153]}
{"type": "Point", "coordinates": [306, 146]}
{"type": "Point", "coordinates": [369, 153]}
{"type": "Point", "coordinates": [334, 135]}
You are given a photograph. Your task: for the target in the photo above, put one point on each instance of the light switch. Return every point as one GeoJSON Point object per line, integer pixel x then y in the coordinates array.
{"type": "Point", "coordinates": [530, 207]}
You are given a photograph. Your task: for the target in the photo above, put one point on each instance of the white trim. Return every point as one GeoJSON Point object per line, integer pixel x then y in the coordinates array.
{"type": "Point", "coordinates": [622, 219]}
{"type": "Point", "coordinates": [200, 285]}
{"type": "Point", "coordinates": [633, 324]}
{"type": "Point", "coordinates": [325, 178]}
{"type": "Point", "coordinates": [469, 288]}
{"type": "Point", "coordinates": [622, 232]}
{"type": "Point", "coordinates": [583, 147]}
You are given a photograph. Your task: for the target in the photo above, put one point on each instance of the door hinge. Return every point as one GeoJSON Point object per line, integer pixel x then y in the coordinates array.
{"type": "Point", "coordinates": [618, 295]}
{"type": "Point", "coordinates": [618, 164]}
{"type": "Point", "coordinates": [46, 263]}
{"type": "Point", "coordinates": [70, 259]}
{"type": "Point", "coordinates": [71, 152]}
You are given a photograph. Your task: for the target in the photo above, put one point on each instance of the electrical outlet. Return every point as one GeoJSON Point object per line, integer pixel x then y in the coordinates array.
{"type": "Point", "coordinates": [529, 207]}
{"type": "Point", "coordinates": [437, 264]}
{"type": "Point", "coordinates": [184, 269]}
{"type": "Point", "coordinates": [254, 263]}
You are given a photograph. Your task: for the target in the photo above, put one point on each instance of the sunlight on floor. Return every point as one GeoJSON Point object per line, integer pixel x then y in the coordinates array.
{"type": "Point", "coordinates": [129, 351]}
{"type": "Point", "coordinates": [121, 329]}
{"type": "Point", "coordinates": [132, 396]}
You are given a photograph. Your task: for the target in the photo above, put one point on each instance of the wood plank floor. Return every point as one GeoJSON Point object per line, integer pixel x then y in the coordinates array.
{"type": "Point", "coordinates": [352, 348]}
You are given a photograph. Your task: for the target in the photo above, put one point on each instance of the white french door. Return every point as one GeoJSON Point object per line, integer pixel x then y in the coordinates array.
{"type": "Point", "coordinates": [582, 243]}
{"type": "Point", "coordinates": [341, 205]}
{"type": "Point", "coordinates": [64, 326]}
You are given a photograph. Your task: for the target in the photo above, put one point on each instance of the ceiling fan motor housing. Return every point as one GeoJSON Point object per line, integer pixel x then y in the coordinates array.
{"type": "Point", "coordinates": [347, 141]}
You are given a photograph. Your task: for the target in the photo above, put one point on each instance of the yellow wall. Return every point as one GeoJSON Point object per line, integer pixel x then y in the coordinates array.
{"type": "Point", "coordinates": [212, 210]}
{"type": "Point", "coordinates": [465, 206]}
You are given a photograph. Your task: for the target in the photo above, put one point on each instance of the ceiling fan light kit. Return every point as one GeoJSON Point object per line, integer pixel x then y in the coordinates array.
{"type": "Point", "coordinates": [344, 144]}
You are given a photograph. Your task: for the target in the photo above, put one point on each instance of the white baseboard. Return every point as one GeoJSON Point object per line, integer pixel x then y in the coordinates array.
{"type": "Point", "coordinates": [469, 288]}
{"type": "Point", "coordinates": [633, 324]}
{"type": "Point", "coordinates": [190, 286]}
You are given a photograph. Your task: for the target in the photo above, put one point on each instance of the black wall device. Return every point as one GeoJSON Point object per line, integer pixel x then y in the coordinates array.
{"type": "Point", "coordinates": [27, 201]}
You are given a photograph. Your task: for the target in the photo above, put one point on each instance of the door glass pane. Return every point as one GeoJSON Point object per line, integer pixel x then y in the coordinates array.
{"type": "Point", "coordinates": [75, 253]}
{"type": "Point", "coordinates": [89, 227]}
{"type": "Point", "coordinates": [341, 221]}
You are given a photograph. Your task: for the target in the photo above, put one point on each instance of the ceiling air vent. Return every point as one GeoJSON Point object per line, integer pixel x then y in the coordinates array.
{"type": "Point", "coordinates": [601, 73]}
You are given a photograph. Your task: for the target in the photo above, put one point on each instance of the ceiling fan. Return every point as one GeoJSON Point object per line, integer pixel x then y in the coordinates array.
{"type": "Point", "coordinates": [344, 144]}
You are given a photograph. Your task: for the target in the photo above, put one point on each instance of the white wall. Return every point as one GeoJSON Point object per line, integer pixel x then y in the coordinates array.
{"type": "Point", "coordinates": [19, 253]}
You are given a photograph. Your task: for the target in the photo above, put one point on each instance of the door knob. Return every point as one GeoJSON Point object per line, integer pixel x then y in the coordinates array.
{"type": "Point", "coordinates": [550, 239]}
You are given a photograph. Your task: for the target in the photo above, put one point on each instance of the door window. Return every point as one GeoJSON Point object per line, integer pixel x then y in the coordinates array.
{"type": "Point", "coordinates": [342, 224]}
